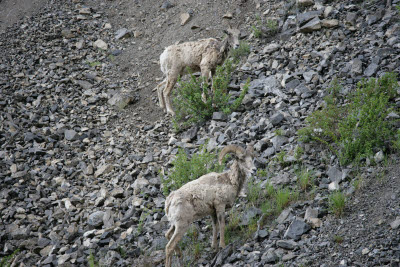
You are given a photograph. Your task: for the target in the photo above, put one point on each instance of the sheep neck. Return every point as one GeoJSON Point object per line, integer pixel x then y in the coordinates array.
{"type": "Point", "coordinates": [238, 176]}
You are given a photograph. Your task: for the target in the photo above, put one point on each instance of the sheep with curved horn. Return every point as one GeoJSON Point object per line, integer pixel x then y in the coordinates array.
{"type": "Point", "coordinates": [203, 55]}
{"type": "Point", "coordinates": [211, 194]}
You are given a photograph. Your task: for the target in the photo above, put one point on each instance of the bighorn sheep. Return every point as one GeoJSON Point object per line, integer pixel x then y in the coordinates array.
{"type": "Point", "coordinates": [203, 55]}
{"type": "Point", "coordinates": [210, 194]}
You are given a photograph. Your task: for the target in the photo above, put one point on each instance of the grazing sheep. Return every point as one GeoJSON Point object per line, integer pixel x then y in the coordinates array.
{"type": "Point", "coordinates": [203, 55]}
{"type": "Point", "coordinates": [210, 194]}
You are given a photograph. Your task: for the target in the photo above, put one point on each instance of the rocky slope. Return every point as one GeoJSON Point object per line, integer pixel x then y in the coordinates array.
{"type": "Point", "coordinates": [79, 176]}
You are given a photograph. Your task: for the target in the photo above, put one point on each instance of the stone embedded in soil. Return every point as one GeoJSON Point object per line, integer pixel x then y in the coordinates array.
{"type": "Point", "coordinates": [100, 44]}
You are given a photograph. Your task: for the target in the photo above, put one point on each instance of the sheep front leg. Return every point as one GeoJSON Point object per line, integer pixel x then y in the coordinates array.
{"type": "Point", "coordinates": [215, 231]}
{"type": "Point", "coordinates": [160, 87]}
{"type": "Point", "coordinates": [206, 74]}
{"type": "Point", "coordinates": [221, 221]}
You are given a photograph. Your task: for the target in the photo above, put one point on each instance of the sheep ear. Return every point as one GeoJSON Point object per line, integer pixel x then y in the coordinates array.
{"type": "Point", "coordinates": [225, 31]}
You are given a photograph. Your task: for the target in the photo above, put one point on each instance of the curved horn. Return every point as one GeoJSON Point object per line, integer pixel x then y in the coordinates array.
{"type": "Point", "coordinates": [237, 150]}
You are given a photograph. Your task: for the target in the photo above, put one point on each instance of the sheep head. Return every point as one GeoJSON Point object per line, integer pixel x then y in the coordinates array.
{"type": "Point", "coordinates": [233, 37]}
{"type": "Point", "coordinates": [245, 156]}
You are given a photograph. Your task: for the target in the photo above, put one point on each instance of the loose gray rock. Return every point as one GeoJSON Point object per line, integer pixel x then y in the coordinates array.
{"type": "Point", "coordinates": [296, 229]}
{"type": "Point", "coordinates": [96, 219]}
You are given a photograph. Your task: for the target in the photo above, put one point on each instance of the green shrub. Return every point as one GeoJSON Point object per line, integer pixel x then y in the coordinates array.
{"type": "Point", "coordinates": [242, 51]}
{"type": "Point", "coordinates": [7, 260]}
{"type": "Point", "coordinates": [185, 170]}
{"type": "Point", "coordinates": [254, 191]}
{"type": "Point", "coordinates": [92, 261]}
{"type": "Point", "coordinates": [337, 203]}
{"type": "Point", "coordinates": [188, 102]}
{"type": "Point", "coordinates": [357, 130]}
{"type": "Point", "coordinates": [256, 31]}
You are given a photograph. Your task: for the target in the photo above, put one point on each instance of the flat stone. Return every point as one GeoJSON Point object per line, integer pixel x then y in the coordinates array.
{"type": "Point", "coordinates": [279, 141]}
{"type": "Point", "coordinates": [356, 67]}
{"type": "Point", "coordinates": [271, 48]}
{"type": "Point", "coordinates": [70, 135]}
{"type": "Point", "coordinates": [185, 17]}
{"type": "Point", "coordinates": [117, 192]}
{"type": "Point", "coordinates": [120, 100]}
{"type": "Point", "coordinates": [100, 44]}
{"type": "Point", "coordinates": [306, 2]}
{"type": "Point", "coordinates": [335, 174]}
{"type": "Point", "coordinates": [330, 23]}
{"type": "Point", "coordinates": [104, 169]}
{"type": "Point", "coordinates": [219, 116]}
{"type": "Point", "coordinates": [276, 118]}
{"type": "Point", "coordinates": [307, 16]}
{"type": "Point", "coordinates": [122, 33]}
{"type": "Point", "coordinates": [312, 25]}
{"type": "Point", "coordinates": [371, 69]}
{"type": "Point", "coordinates": [296, 229]}
{"type": "Point", "coordinates": [287, 244]}
{"type": "Point", "coordinates": [270, 256]}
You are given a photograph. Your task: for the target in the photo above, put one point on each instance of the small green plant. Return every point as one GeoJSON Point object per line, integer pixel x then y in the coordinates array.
{"type": "Point", "coordinates": [254, 192]}
{"type": "Point", "coordinates": [92, 261]}
{"type": "Point", "coordinates": [256, 31]}
{"type": "Point", "coordinates": [298, 152]}
{"type": "Point", "coordinates": [338, 239]}
{"type": "Point", "coordinates": [305, 179]}
{"type": "Point", "coordinates": [189, 104]}
{"type": "Point", "coordinates": [396, 141]}
{"type": "Point", "coordinates": [94, 63]}
{"type": "Point", "coordinates": [143, 216]}
{"type": "Point", "coordinates": [242, 51]}
{"type": "Point", "coordinates": [262, 173]}
{"type": "Point", "coordinates": [281, 157]}
{"type": "Point", "coordinates": [278, 132]}
{"type": "Point", "coordinates": [337, 203]}
{"type": "Point", "coordinates": [282, 198]}
{"type": "Point", "coordinates": [358, 183]}
{"type": "Point", "coordinates": [354, 131]}
{"type": "Point", "coordinates": [272, 26]}
{"type": "Point", "coordinates": [185, 170]}
{"type": "Point", "coordinates": [398, 8]}
{"type": "Point", "coordinates": [7, 260]}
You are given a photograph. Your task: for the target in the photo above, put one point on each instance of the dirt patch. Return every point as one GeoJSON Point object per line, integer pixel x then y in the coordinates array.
{"type": "Point", "coordinates": [11, 11]}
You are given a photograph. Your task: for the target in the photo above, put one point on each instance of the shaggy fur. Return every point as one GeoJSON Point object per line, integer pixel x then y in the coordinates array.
{"type": "Point", "coordinates": [203, 55]}
{"type": "Point", "coordinates": [211, 194]}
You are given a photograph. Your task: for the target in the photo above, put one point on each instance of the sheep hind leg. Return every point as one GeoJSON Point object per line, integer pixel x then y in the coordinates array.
{"type": "Point", "coordinates": [160, 88]}
{"type": "Point", "coordinates": [167, 94]}
{"type": "Point", "coordinates": [215, 231]}
{"type": "Point", "coordinates": [173, 242]}
{"type": "Point", "coordinates": [168, 236]}
{"type": "Point", "coordinates": [221, 221]}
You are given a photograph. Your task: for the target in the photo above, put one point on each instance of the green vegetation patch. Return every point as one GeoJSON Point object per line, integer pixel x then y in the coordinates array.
{"type": "Point", "coordinates": [188, 102]}
{"type": "Point", "coordinates": [359, 128]}
{"type": "Point", "coordinates": [187, 169]}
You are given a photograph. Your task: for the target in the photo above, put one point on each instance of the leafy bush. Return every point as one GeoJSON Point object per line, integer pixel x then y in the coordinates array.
{"type": "Point", "coordinates": [188, 101]}
{"type": "Point", "coordinates": [360, 128]}
{"type": "Point", "coordinates": [185, 170]}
